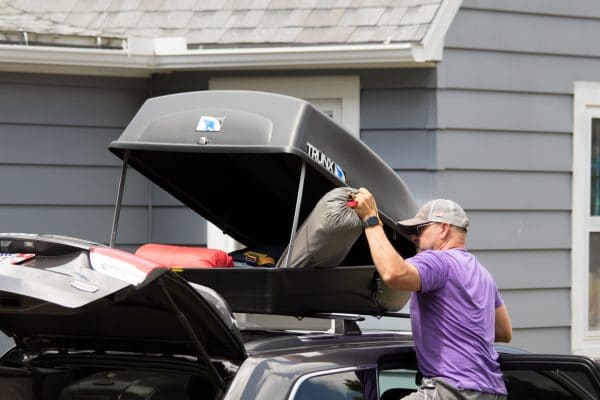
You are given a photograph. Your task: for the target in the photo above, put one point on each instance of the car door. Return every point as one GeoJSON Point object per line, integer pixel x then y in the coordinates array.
{"type": "Point", "coordinates": [556, 377]}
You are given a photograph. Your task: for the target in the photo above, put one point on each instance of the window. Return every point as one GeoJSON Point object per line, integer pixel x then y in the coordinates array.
{"type": "Point", "coordinates": [586, 220]}
{"type": "Point", "coordinates": [541, 385]}
{"type": "Point", "coordinates": [397, 383]}
{"type": "Point", "coordinates": [594, 236]}
{"type": "Point", "coordinates": [344, 385]}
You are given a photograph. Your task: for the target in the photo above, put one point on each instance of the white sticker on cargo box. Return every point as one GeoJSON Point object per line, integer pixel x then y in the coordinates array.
{"type": "Point", "coordinates": [209, 123]}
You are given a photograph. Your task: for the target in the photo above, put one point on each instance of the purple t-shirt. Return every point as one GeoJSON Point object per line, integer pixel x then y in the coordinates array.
{"type": "Point", "coordinates": [453, 320]}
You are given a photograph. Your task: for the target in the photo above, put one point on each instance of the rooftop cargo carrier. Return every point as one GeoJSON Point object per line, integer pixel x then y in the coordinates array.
{"type": "Point", "coordinates": [255, 164]}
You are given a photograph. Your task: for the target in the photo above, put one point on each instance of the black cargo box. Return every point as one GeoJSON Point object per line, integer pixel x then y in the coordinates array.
{"type": "Point", "coordinates": [286, 291]}
{"type": "Point", "coordinates": [255, 164]}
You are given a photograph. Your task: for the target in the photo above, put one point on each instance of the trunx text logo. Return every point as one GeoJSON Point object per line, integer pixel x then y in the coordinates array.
{"type": "Point", "coordinates": [323, 160]}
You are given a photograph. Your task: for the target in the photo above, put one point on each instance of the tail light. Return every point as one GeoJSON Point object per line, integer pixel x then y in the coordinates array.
{"type": "Point", "coordinates": [121, 265]}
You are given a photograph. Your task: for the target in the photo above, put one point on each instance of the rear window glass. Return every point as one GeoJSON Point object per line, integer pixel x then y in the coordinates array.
{"type": "Point", "coordinates": [351, 385]}
{"type": "Point", "coordinates": [544, 385]}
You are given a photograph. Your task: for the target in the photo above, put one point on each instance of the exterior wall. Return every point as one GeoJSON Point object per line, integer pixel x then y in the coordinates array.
{"type": "Point", "coordinates": [60, 177]}
{"type": "Point", "coordinates": [57, 173]}
{"type": "Point", "coordinates": [398, 121]}
{"type": "Point", "coordinates": [504, 148]}
{"type": "Point", "coordinates": [490, 127]}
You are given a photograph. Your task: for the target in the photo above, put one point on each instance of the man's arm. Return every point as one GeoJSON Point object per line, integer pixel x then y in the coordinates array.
{"type": "Point", "coordinates": [393, 269]}
{"type": "Point", "coordinates": [503, 325]}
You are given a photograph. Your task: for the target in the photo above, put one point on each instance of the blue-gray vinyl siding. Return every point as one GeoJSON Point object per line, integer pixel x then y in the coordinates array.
{"type": "Point", "coordinates": [504, 148]}
{"type": "Point", "coordinates": [57, 173]}
{"type": "Point", "coordinates": [491, 127]}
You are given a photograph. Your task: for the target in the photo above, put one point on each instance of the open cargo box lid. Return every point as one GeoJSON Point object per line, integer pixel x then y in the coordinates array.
{"type": "Point", "coordinates": [235, 157]}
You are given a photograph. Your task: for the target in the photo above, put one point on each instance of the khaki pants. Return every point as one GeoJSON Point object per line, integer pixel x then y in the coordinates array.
{"type": "Point", "coordinates": [438, 389]}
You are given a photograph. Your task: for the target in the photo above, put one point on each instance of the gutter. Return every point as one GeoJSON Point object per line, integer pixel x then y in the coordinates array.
{"type": "Point", "coordinates": [325, 57]}
{"type": "Point", "coordinates": [70, 60]}
{"type": "Point", "coordinates": [139, 61]}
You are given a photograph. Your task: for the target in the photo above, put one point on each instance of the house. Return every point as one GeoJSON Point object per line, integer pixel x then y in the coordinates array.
{"type": "Point", "coordinates": [493, 104]}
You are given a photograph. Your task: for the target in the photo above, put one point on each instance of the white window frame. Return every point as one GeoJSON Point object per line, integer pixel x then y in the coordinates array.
{"type": "Point", "coordinates": [323, 91]}
{"type": "Point", "coordinates": [586, 106]}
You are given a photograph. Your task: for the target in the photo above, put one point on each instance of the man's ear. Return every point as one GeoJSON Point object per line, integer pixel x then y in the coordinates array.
{"type": "Point", "coordinates": [445, 230]}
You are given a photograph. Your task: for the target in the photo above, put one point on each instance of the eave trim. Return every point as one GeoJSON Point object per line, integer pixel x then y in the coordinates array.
{"type": "Point", "coordinates": [87, 61]}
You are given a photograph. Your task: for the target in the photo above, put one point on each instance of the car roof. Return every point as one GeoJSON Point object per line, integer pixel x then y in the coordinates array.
{"type": "Point", "coordinates": [281, 362]}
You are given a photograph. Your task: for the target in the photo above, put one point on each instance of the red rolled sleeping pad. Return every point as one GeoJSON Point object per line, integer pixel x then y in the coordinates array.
{"type": "Point", "coordinates": [184, 256]}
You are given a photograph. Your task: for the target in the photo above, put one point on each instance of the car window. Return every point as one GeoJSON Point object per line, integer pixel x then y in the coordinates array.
{"type": "Point", "coordinates": [582, 379]}
{"type": "Point", "coordinates": [543, 385]}
{"type": "Point", "coordinates": [397, 383]}
{"type": "Point", "coordinates": [350, 385]}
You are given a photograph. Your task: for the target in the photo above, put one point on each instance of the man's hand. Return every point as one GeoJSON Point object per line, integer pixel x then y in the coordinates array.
{"type": "Point", "coordinates": [366, 206]}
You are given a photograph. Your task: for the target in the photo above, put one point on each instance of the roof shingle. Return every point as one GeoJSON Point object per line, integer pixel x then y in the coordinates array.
{"type": "Point", "coordinates": [226, 22]}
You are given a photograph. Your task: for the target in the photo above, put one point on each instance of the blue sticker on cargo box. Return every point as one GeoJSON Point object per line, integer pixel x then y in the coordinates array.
{"type": "Point", "coordinates": [339, 172]}
{"type": "Point", "coordinates": [209, 123]}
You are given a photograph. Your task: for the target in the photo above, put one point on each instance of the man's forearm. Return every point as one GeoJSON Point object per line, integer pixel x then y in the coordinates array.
{"type": "Point", "coordinates": [503, 329]}
{"type": "Point", "coordinates": [392, 268]}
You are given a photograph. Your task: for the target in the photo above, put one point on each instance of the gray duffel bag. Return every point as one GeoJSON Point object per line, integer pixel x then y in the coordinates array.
{"type": "Point", "coordinates": [327, 235]}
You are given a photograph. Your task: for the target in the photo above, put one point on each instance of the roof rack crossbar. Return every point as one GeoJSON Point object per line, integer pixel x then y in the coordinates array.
{"type": "Point", "coordinates": [334, 316]}
{"type": "Point", "coordinates": [346, 327]}
{"type": "Point", "coordinates": [393, 314]}
{"type": "Point", "coordinates": [343, 324]}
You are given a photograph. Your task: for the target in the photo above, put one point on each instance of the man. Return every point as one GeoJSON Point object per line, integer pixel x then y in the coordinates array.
{"type": "Point", "coordinates": [456, 310]}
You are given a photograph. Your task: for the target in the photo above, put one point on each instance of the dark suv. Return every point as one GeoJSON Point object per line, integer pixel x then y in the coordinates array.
{"type": "Point", "coordinates": [92, 322]}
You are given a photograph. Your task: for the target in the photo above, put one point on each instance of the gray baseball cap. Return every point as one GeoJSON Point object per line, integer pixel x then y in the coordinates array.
{"type": "Point", "coordinates": [439, 210]}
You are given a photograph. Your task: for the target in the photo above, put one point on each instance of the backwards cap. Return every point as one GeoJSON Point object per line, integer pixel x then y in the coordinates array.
{"type": "Point", "coordinates": [440, 210]}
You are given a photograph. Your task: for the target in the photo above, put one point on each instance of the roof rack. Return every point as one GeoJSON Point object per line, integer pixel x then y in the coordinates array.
{"type": "Point", "coordinates": [344, 324]}
{"type": "Point", "coordinates": [392, 314]}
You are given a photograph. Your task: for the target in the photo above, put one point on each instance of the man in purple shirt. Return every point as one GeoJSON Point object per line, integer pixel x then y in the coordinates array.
{"type": "Point", "coordinates": [456, 311]}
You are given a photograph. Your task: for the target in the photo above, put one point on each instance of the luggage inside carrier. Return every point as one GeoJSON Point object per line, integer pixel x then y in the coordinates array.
{"type": "Point", "coordinates": [255, 164]}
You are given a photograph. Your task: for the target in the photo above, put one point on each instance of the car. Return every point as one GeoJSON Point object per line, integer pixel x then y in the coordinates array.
{"type": "Point", "coordinates": [90, 321]}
